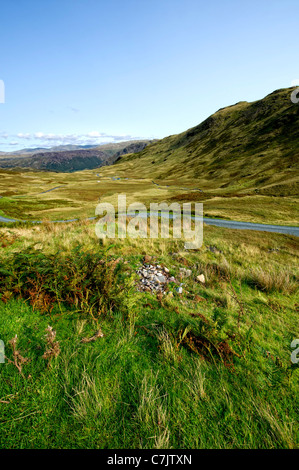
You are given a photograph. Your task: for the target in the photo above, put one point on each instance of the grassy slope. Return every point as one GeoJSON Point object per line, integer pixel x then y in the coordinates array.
{"type": "Point", "coordinates": [239, 149]}
{"type": "Point", "coordinates": [244, 159]}
{"type": "Point", "coordinates": [141, 386]}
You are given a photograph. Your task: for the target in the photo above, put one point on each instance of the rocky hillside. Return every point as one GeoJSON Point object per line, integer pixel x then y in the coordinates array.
{"type": "Point", "coordinates": [134, 147]}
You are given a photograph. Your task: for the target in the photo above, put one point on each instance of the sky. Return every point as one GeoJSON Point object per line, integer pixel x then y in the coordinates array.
{"type": "Point", "coordinates": [96, 71]}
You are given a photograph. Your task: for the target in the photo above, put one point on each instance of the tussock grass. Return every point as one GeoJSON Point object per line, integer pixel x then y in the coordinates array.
{"type": "Point", "coordinates": [181, 371]}
{"type": "Point", "coordinates": [152, 414]}
{"type": "Point", "coordinates": [271, 280]}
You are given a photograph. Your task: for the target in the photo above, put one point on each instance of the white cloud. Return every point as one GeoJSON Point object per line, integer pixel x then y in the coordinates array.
{"type": "Point", "coordinates": [95, 134]}
{"type": "Point", "coordinates": [38, 139]}
{"type": "Point", "coordinates": [23, 136]}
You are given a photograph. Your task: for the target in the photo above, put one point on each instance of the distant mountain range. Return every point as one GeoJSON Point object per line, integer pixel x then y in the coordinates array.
{"type": "Point", "coordinates": [69, 158]}
{"type": "Point", "coordinates": [58, 148]}
{"type": "Point", "coordinates": [64, 148]}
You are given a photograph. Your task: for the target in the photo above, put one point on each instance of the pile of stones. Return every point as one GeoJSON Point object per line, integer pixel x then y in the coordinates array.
{"type": "Point", "coordinates": [154, 278]}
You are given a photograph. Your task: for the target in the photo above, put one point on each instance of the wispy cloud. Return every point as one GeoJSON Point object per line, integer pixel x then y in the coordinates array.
{"type": "Point", "coordinates": [42, 139]}
{"type": "Point", "coordinates": [75, 110]}
{"type": "Point", "coordinates": [24, 136]}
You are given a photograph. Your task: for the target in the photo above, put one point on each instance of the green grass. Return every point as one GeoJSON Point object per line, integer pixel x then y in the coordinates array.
{"type": "Point", "coordinates": [78, 194]}
{"type": "Point", "coordinates": [159, 377]}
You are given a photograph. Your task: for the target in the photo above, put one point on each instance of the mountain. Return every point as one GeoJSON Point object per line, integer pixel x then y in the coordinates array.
{"type": "Point", "coordinates": [65, 159]}
{"type": "Point", "coordinates": [28, 151]}
{"type": "Point", "coordinates": [242, 148]}
{"type": "Point", "coordinates": [58, 148]}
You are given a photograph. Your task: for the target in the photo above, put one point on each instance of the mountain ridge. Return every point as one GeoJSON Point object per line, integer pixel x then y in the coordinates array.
{"type": "Point", "coordinates": [245, 146]}
{"type": "Point", "coordinates": [71, 160]}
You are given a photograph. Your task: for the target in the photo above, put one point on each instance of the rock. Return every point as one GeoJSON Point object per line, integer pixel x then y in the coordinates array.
{"type": "Point", "coordinates": [182, 272]}
{"type": "Point", "coordinates": [214, 249]}
{"type": "Point", "coordinates": [153, 278]}
{"type": "Point", "coordinates": [185, 272]}
{"type": "Point", "coordinates": [160, 278]}
{"type": "Point", "coordinates": [201, 278]}
{"type": "Point", "coordinates": [179, 290]}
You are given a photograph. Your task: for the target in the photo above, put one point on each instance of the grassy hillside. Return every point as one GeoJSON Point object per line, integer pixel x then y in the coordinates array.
{"type": "Point", "coordinates": [241, 149]}
{"type": "Point", "coordinates": [207, 368]}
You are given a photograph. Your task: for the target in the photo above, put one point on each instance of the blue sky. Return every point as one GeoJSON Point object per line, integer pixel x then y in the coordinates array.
{"type": "Point", "coordinates": [93, 71]}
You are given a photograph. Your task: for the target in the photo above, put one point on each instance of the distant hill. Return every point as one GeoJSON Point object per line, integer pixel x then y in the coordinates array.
{"type": "Point", "coordinates": [58, 148]}
{"type": "Point", "coordinates": [64, 159]}
{"type": "Point", "coordinates": [241, 148]}
{"type": "Point", "coordinates": [28, 151]}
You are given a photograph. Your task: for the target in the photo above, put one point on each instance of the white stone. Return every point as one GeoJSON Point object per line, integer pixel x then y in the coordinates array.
{"type": "Point", "coordinates": [201, 278]}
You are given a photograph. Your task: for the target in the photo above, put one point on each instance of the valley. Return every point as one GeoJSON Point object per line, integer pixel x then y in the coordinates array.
{"type": "Point", "coordinates": [140, 343]}
{"type": "Point", "coordinates": [242, 163]}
